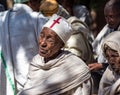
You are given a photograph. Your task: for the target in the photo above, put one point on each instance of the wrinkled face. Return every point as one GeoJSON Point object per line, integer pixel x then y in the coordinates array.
{"type": "Point", "coordinates": [49, 43]}
{"type": "Point", "coordinates": [112, 17]}
{"type": "Point", "coordinates": [113, 59]}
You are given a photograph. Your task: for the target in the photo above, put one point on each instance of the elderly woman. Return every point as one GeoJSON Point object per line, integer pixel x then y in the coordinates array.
{"type": "Point", "coordinates": [110, 78]}
{"type": "Point", "coordinates": [55, 71]}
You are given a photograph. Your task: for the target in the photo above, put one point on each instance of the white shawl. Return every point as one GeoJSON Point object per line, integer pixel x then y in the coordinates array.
{"type": "Point", "coordinates": [110, 77]}
{"type": "Point", "coordinates": [98, 42]}
{"type": "Point", "coordinates": [107, 81]}
{"type": "Point", "coordinates": [57, 76]}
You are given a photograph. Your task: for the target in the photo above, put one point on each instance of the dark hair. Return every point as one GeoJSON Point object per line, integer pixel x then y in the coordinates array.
{"type": "Point", "coordinates": [115, 4]}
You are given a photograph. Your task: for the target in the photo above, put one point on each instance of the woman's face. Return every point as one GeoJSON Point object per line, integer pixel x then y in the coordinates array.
{"type": "Point", "coordinates": [49, 43]}
{"type": "Point", "coordinates": [113, 59]}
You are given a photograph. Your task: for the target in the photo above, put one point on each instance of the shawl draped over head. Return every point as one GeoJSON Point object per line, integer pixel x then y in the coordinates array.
{"type": "Point", "coordinates": [57, 76]}
{"type": "Point", "coordinates": [97, 43]}
{"type": "Point", "coordinates": [109, 77]}
{"type": "Point", "coordinates": [113, 41]}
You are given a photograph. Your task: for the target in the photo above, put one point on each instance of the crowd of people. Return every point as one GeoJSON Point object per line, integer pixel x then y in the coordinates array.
{"type": "Point", "coordinates": [47, 48]}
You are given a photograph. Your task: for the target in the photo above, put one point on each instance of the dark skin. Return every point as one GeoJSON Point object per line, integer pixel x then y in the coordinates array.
{"type": "Point", "coordinates": [113, 59]}
{"type": "Point", "coordinates": [112, 17]}
{"type": "Point", "coordinates": [49, 44]}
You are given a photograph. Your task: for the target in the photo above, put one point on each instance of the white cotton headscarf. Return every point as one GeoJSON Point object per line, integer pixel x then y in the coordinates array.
{"type": "Point", "coordinates": [60, 26]}
{"type": "Point", "coordinates": [113, 41]}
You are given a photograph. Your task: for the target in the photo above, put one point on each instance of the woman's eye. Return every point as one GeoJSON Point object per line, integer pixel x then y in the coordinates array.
{"type": "Point", "coordinates": [41, 35]}
{"type": "Point", "coordinates": [51, 40]}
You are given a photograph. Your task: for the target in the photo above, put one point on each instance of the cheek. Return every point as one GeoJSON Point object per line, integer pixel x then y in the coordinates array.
{"type": "Point", "coordinates": [116, 22]}
{"type": "Point", "coordinates": [55, 48]}
{"type": "Point", "coordinates": [52, 48]}
{"type": "Point", "coordinates": [117, 61]}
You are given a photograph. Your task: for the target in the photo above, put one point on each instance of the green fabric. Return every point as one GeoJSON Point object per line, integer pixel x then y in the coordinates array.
{"type": "Point", "coordinates": [20, 1]}
{"type": "Point", "coordinates": [7, 73]}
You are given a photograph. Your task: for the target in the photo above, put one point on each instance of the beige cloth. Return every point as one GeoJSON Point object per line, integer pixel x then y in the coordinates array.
{"type": "Point", "coordinates": [60, 76]}
{"type": "Point", "coordinates": [108, 80]}
{"type": "Point", "coordinates": [113, 41]}
{"type": "Point", "coordinates": [110, 77]}
{"type": "Point", "coordinates": [52, 7]}
{"type": "Point", "coordinates": [78, 42]}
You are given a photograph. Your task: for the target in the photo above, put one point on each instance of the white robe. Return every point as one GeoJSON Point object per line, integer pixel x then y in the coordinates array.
{"type": "Point", "coordinates": [107, 82]}
{"type": "Point", "coordinates": [64, 75]}
{"type": "Point", "coordinates": [110, 81]}
{"type": "Point", "coordinates": [78, 42]}
{"type": "Point", "coordinates": [19, 28]}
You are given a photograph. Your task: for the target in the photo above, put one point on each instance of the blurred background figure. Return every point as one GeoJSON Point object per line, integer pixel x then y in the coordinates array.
{"type": "Point", "coordinates": [2, 8]}
{"type": "Point", "coordinates": [53, 7]}
{"type": "Point", "coordinates": [81, 12]}
{"type": "Point", "coordinates": [19, 29]}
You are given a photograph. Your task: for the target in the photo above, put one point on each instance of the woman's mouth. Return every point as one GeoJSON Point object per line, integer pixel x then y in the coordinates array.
{"type": "Point", "coordinates": [42, 51]}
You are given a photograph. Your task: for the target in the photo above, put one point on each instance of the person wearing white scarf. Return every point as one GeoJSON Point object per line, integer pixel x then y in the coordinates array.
{"type": "Point", "coordinates": [110, 79]}
{"type": "Point", "coordinates": [55, 71]}
{"type": "Point", "coordinates": [112, 16]}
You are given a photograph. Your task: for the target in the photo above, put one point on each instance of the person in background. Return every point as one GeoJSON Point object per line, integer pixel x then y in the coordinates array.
{"type": "Point", "coordinates": [110, 81]}
{"type": "Point", "coordinates": [54, 71]}
{"type": "Point", "coordinates": [53, 7]}
{"type": "Point", "coordinates": [112, 16]}
{"type": "Point", "coordinates": [78, 42]}
{"type": "Point", "coordinates": [81, 12]}
{"type": "Point", "coordinates": [19, 29]}
{"type": "Point", "coordinates": [2, 8]}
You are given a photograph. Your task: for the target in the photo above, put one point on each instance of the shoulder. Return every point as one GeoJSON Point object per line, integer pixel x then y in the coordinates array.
{"type": "Point", "coordinates": [108, 75]}
{"type": "Point", "coordinates": [72, 59]}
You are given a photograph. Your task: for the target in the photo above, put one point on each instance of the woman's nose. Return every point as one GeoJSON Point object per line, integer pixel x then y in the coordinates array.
{"type": "Point", "coordinates": [43, 43]}
{"type": "Point", "coordinates": [111, 61]}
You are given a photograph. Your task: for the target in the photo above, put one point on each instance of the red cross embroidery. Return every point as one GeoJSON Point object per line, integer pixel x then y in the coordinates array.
{"type": "Point", "coordinates": [55, 22]}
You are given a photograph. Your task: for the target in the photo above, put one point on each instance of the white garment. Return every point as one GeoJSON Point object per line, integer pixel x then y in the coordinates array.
{"type": "Point", "coordinates": [78, 42]}
{"type": "Point", "coordinates": [19, 28]}
{"type": "Point", "coordinates": [107, 81]}
{"type": "Point", "coordinates": [64, 75]}
{"type": "Point", "coordinates": [98, 42]}
{"type": "Point", "coordinates": [110, 77]}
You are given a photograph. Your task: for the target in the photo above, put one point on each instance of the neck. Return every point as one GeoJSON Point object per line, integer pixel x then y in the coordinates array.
{"type": "Point", "coordinates": [53, 56]}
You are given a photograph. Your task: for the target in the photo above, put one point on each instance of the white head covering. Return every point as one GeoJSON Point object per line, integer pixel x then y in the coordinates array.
{"type": "Point", "coordinates": [113, 41]}
{"type": "Point", "coordinates": [60, 26]}
{"type": "Point", "coordinates": [20, 1]}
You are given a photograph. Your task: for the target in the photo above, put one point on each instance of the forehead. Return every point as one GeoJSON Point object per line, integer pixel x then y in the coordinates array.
{"type": "Point", "coordinates": [110, 50]}
{"type": "Point", "coordinates": [108, 9]}
{"type": "Point", "coordinates": [47, 30]}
